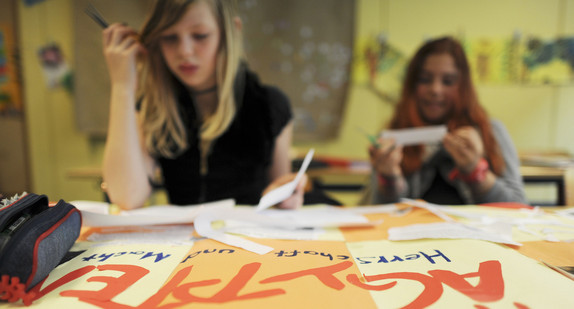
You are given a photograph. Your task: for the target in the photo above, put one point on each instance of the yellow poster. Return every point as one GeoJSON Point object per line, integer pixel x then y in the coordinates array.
{"type": "Point", "coordinates": [296, 274]}
{"type": "Point", "coordinates": [102, 275]}
{"type": "Point", "coordinates": [457, 274]}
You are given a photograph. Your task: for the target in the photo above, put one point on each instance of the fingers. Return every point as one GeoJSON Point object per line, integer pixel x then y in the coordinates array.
{"type": "Point", "coordinates": [386, 146]}
{"type": "Point", "coordinates": [121, 49]}
{"type": "Point", "coordinates": [279, 182]}
{"type": "Point", "coordinates": [465, 146]}
{"type": "Point", "coordinates": [386, 159]}
{"type": "Point", "coordinates": [302, 184]}
{"type": "Point", "coordinates": [119, 35]}
{"type": "Point", "coordinates": [464, 138]}
{"type": "Point", "coordinates": [296, 199]}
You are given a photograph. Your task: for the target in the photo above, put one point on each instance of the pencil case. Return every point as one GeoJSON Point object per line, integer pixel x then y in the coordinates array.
{"type": "Point", "coordinates": [34, 237]}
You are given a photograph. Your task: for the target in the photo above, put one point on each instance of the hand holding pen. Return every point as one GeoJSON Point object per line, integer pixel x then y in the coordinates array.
{"type": "Point", "coordinates": [370, 137]}
{"type": "Point", "coordinates": [386, 158]}
{"type": "Point", "coordinates": [96, 16]}
{"type": "Point", "coordinates": [121, 48]}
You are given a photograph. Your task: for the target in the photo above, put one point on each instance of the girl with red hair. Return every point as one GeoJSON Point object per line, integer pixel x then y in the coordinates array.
{"type": "Point", "coordinates": [476, 161]}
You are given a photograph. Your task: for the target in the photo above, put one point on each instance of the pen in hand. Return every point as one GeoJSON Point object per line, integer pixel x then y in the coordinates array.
{"type": "Point", "coordinates": [96, 16]}
{"type": "Point", "coordinates": [372, 138]}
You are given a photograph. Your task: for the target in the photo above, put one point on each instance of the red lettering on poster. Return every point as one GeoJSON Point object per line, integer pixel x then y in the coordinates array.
{"type": "Point", "coordinates": [517, 305]}
{"type": "Point", "coordinates": [324, 274]}
{"type": "Point", "coordinates": [71, 276]}
{"type": "Point", "coordinates": [431, 293]}
{"type": "Point", "coordinates": [114, 286]}
{"type": "Point", "coordinates": [230, 292]}
{"type": "Point", "coordinates": [490, 286]}
{"type": "Point", "coordinates": [157, 298]}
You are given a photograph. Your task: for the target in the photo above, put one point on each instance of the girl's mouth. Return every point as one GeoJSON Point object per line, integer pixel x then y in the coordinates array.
{"type": "Point", "coordinates": [188, 68]}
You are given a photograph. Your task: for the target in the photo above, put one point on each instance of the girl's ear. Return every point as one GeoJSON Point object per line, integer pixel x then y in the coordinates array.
{"type": "Point", "coordinates": [238, 23]}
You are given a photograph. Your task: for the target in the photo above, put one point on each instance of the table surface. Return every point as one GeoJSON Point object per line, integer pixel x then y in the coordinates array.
{"type": "Point", "coordinates": [353, 267]}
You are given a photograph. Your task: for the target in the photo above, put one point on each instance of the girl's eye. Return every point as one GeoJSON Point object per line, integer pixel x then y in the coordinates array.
{"type": "Point", "coordinates": [201, 36]}
{"type": "Point", "coordinates": [168, 39]}
{"type": "Point", "coordinates": [449, 81]}
{"type": "Point", "coordinates": [424, 80]}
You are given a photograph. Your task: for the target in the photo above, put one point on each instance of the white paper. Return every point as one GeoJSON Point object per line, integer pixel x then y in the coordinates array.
{"type": "Point", "coordinates": [167, 214]}
{"type": "Point", "coordinates": [451, 230]}
{"type": "Point", "coordinates": [203, 227]}
{"type": "Point", "coordinates": [375, 209]}
{"type": "Point", "coordinates": [287, 224]}
{"type": "Point", "coordinates": [258, 231]}
{"type": "Point", "coordinates": [391, 209]}
{"type": "Point", "coordinates": [92, 206]}
{"type": "Point", "coordinates": [314, 217]}
{"type": "Point", "coordinates": [529, 224]}
{"type": "Point", "coordinates": [165, 235]}
{"type": "Point", "coordinates": [566, 213]}
{"type": "Point", "coordinates": [283, 192]}
{"type": "Point", "coordinates": [416, 136]}
{"type": "Point", "coordinates": [437, 210]}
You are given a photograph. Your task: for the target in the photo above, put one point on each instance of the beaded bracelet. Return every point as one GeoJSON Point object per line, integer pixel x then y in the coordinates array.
{"type": "Point", "coordinates": [478, 174]}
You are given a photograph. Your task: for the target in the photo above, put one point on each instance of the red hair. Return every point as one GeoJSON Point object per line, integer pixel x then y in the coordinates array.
{"type": "Point", "coordinates": [466, 111]}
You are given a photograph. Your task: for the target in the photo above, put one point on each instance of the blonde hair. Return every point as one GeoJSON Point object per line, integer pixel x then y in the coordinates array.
{"type": "Point", "coordinates": [163, 129]}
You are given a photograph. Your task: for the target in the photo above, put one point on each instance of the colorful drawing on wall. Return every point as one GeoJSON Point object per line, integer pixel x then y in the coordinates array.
{"type": "Point", "coordinates": [494, 60]}
{"type": "Point", "coordinates": [513, 60]}
{"type": "Point", "coordinates": [56, 70]}
{"type": "Point", "coordinates": [549, 61]}
{"type": "Point", "coordinates": [380, 66]}
{"type": "Point", "coordinates": [10, 102]}
{"type": "Point", "coordinates": [32, 2]}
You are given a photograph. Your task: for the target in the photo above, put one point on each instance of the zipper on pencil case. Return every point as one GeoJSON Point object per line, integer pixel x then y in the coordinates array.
{"type": "Point", "coordinates": [47, 219]}
{"type": "Point", "coordinates": [15, 215]}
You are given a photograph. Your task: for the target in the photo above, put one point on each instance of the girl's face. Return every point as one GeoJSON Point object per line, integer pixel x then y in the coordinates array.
{"type": "Point", "coordinates": [189, 47]}
{"type": "Point", "coordinates": [437, 88]}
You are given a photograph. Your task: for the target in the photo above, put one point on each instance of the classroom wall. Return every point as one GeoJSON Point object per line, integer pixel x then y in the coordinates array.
{"type": "Point", "coordinates": [56, 146]}
{"type": "Point", "coordinates": [14, 176]}
{"type": "Point", "coordinates": [537, 117]}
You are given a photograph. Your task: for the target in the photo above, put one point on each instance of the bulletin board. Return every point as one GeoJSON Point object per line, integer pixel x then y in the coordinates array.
{"type": "Point", "coordinates": [302, 47]}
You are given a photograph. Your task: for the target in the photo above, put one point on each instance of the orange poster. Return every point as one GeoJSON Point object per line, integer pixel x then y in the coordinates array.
{"type": "Point", "coordinates": [10, 102]}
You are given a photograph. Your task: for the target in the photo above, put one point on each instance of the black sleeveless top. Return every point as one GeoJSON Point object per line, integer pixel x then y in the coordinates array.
{"type": "Point", "coordinates": [239, 161]}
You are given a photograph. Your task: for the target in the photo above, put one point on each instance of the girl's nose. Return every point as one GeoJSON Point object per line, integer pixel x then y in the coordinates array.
{"type": "Point", "coordinates": [186, 47]}
{"type": "Point", "coordinates": [437, 87]}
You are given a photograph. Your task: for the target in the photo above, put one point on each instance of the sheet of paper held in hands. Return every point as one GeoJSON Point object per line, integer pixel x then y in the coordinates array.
{"type": "Point", "coordinates": [416, 136]}
{"type": "Point", "coordinates": [283, 192]}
